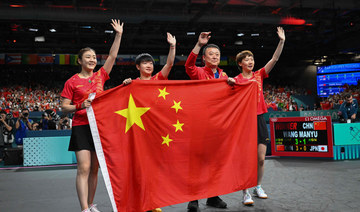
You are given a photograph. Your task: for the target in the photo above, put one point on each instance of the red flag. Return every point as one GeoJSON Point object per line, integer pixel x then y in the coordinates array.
{"type": "Point", "coordinates": [319, 125]}
{"type": "Point", "coordinates": [161, 143]}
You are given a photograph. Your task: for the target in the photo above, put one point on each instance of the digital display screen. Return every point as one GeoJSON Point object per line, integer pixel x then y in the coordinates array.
{"type": "Point", "coordinates": [301, 136]}
{"type": "Point", "coordinates": [339, 68]}
{"type": "Point", "coordinates": [330, 84]}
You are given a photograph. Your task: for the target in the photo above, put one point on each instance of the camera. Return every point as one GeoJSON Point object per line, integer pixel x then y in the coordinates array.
{"type": "Point", "coordinates": [25, 115]}
{"type": "Point", "coordinates": [9, 116]}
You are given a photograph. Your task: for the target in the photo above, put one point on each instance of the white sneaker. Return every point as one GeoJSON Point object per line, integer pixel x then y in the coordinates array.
{"type": "Point", "coordinates": [86, 210]}
{"type": "Point", "coordinates": [247, 199]}
{"type": "Point", "coordinates": [93, 208]}
{"type": "Point", "coordinates": [259, 192]}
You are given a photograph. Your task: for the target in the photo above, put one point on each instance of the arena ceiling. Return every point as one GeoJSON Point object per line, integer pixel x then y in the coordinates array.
{"type": "Point", "coordinates": [314, 28]}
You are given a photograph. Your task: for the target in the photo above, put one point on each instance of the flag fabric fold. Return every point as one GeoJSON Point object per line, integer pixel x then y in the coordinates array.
{"type": "Point", "coordinates": [161, 143]}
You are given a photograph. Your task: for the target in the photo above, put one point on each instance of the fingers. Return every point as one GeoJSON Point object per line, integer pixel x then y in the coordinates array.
{"type": "Point", "coordinates": [231, 81]}
{"type": "Point", "coordinates": [116, 22]}
{"type": "Point", "coordinates": [203, 34]}
{"type": "Point", "coordinates": [127, 81]}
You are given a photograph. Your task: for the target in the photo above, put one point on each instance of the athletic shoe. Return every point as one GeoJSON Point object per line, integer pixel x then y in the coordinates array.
{"type": "Point", "coordinates": [247, 199]}
{"type": "Point", "coordinates": [193, 206]}
{"type": "Point", "coordinates": [93, 208]}
{"type": "Point", "coordinates": [259, 192]}
{"type": "Point", "coordinates": [155, 210]}
{"type": "Point", "coordinates": [216, 202]}
{"type": "Point", "coordinates": [86, 210]}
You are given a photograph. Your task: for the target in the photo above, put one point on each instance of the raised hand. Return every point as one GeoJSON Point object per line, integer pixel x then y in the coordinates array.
{"type": "Point", "coordinates": [281, 33]}
{"type": "Point", "coordinates": [204, 38]}
{"type": "Point", "coordinates": [171, 39]}
{"type": "Point", "coordinates": [117, 25]}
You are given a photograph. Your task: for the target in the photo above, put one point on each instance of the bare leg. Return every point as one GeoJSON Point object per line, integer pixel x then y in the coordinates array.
{"type": "Point", "coordinates": [83, 170]}
{"type": "Point", "coordinates": [93, 177]}
{"type": "Point", "coordinates": [261, 162]}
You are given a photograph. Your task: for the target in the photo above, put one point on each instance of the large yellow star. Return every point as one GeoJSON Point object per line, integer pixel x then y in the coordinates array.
{"type": "Point", "coordinates": [133, 114]}
{"type": "Point", "coordinates": [166, 140]}
{"type": "Point", "coordinates": [163, 92]}
{"type": "Point", "coordinates": [177, 106]}
{"type": "Point", "coordinates": [178, 126]}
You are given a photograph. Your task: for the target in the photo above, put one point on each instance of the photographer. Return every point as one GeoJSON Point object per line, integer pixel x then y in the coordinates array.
{"type": "Point", "coordinates": [49, 120]}
{"type": "Point", "coordinates": [348, 109]}
{"type": "Point", "coordinates": [6, 127]}
{"type": "Point", "coordinates": [23, 124]}
{"type": "Point", "coordinates": [65, 123]}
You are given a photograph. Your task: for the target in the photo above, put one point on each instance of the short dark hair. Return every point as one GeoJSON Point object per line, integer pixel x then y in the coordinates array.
{"type": "Point", "coordinates": [210, 46]}
{"type": "Point", "coordinates": [25, 109]}
{"type": "Point", "coordinates": [144, 57]}
{"type": "Point", "coordinates": [241, 55]}
{"type": "Point", "coordinates": [347, 95]}
{"type": "Point", "coordinates": [3, 112]}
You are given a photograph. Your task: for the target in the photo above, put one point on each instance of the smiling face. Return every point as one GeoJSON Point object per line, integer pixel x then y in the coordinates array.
{"type": "Point", "coordinates": [146, 68]}
{"type": "Point", "coordinates": [247, 64]}
{"type": "Point", "coordinates": [88, 60]}
{"type": "Point", "coordinates": [212, 57]}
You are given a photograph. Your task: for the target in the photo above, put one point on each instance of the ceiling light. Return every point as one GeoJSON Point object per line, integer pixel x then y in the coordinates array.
{"type": "Point", "coordinates": [40, 39]}
{"type": "Point", "coordinates": [190, 33]}
{"type": "Point", "coordinates": [86, 27]}
{"type": "Point", "coordinates": [239, 42]}
{"type": "Point", "coordinates": [240, 34]}
{"type": "Point", "coordinates": [109, 31]}
{"type": "Point", "coordinates": [52, 30]}
{"type": "Point", "coordinates": [255, 34]}
{"type": "Point", "coordinates": [33, 30]}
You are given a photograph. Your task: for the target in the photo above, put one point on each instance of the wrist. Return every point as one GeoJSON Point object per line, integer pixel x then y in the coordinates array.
{"type": "Point", "coordinates": [78, 106]}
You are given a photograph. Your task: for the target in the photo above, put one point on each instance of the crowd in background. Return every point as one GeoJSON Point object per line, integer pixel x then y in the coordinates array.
{"type": "Point", "coordinates": [280, 98]}
{"type": "Point", "coordinates": [335, 101]}
{"type": "Point", "coordinates": [39, 89]}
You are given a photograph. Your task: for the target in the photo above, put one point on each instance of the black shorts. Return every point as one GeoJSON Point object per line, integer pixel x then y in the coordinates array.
{"type": "Point", "coordinates": [263, 133]}
{"type": "Point", "coordinates": [81, 138]}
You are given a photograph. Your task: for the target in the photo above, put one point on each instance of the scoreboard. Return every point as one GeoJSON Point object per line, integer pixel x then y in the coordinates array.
{"type": "Point", "coordinates": [301, 136]}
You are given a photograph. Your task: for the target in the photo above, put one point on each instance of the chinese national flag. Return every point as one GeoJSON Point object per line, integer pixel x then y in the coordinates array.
{"type": "Point", "coordinates": [161, 143]}
{"type": "Point", "coordinates": [319, 125]}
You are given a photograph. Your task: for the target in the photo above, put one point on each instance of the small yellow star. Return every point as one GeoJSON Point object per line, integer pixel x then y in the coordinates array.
{"type": "Point", "coordinates": [177, 106]}
{"type": "Point", "coordinates": [163, 92]}
{"type": "Point", "coordinates": [178, 126]}
{"type": "Point", "coordinates": [133, 114]}
{"type": "Point", "coordinates": [166, 140]}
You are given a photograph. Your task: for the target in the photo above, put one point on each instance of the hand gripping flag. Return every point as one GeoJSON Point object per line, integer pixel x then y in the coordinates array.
{"type": "Point", "coordinates": [161, 143]}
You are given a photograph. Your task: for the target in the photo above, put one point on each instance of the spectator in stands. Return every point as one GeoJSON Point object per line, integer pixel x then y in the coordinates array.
{"type": "Point", "coordinates": [22, 125]}
{"type": "Point", "coordinates": [315, 106]}
{"type": "Point", "coordinates": [301, 108]}
{"type": "Point", "coordinates": [348, 109]}
{"type": "Point", "coordinates": [6, 135]}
